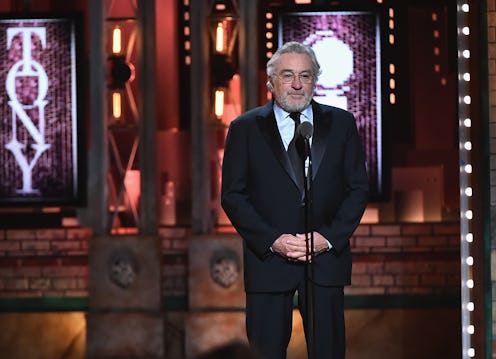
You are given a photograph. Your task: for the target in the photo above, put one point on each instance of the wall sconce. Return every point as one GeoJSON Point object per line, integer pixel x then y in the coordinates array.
{"type": "Point", "coordinates": [223, 27]}
{"type": "Point", "coordinates": [122, 41]}
{"type": "Point", "coordinates": [121, 72]}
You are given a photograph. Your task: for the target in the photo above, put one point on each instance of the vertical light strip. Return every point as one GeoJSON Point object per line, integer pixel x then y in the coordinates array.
{"type": "Point", "coordinates": [187, 33]}
{"type": "Point", "coordinates": [465, 146]}
{"type": "Point", "coordinates": [270, 41]}
{"type": "Point", "coordinates": [391, 26]}
{"type": "Point", "coordinates": [269, 35]}
{"type": "Point", "coordinates": [392, 67]}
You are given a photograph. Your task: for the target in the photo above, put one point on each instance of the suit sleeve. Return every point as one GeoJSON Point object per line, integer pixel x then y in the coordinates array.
{"type": "Point", "coordinates": [340, 228]}
{"type": "Point", "coordinates": [257, 233]}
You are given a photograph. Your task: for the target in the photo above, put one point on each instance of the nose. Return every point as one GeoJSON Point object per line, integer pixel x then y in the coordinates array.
{"type": "Point", "coordinates": [296, 82]}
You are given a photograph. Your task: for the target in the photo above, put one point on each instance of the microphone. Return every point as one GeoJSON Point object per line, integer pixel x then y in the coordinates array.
{"type": "Point", "coordinates": [305, 130]}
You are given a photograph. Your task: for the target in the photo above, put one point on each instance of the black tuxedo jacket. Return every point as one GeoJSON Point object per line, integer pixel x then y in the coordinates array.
{"type": "Point", "coordinates": [261, 197]}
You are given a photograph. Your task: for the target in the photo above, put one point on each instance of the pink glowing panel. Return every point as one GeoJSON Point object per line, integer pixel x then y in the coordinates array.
{"type": "Point", "coordinates": [40, 130]}
{"type": "Point", "coordinates": [347, 45]}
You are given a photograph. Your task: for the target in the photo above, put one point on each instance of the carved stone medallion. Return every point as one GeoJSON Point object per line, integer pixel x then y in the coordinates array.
{"type": "Point", "coordinates": [225, 267]}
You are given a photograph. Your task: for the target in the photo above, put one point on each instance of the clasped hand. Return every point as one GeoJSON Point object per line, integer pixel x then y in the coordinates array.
{"type": "Point", "coordinates": [294, 247]}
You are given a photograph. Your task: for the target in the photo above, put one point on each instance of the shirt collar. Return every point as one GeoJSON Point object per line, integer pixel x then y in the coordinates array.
{"type": "Point", "coordinates": [281, 115]}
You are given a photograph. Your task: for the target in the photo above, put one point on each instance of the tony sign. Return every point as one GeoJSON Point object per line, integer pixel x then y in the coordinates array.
{"type": "Point", "coordinates": [30, 72]}
{"type": "Point", "coordinates": [41, 140]}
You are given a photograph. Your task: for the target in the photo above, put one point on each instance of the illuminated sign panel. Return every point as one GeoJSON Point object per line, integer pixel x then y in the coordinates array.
{"type": "Point", "coordinates": [40, 137]}
{"type": "Point", "coordinates": [347, 46]}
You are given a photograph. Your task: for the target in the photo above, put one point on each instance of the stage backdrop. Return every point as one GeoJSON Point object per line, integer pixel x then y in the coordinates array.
{"type": "Point", "coordinates": [347, 46]}
{"type": "Point", "coordinates": [40, 152]}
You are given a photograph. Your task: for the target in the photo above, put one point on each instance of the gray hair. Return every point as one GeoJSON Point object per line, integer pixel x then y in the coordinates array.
{"type": "Point", "coordinates": [293, 47]}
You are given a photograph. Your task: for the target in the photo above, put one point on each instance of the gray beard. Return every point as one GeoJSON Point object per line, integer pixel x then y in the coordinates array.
{"type": "Point", "coordinates": [289, 107]}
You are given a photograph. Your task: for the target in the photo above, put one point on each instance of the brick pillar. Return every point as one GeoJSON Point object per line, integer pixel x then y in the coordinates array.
{"type": "Point", "coordinates": [125, 318]}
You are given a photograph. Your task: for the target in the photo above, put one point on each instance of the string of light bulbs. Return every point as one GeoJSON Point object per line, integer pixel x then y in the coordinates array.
{"type": "Point", "coordinates": [465, 147]}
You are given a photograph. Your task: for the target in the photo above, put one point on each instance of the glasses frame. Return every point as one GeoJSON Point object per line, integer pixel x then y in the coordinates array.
{"type": "Point", "coordinates": [287, 77]}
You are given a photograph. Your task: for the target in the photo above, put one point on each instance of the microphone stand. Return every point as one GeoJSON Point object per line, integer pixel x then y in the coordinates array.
{"type": "Point", "coordinates": [310, 251]}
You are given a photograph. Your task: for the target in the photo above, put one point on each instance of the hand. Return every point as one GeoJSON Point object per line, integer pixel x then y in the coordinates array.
{"type": "Point", "coordinates": [290, 246]}
{"type": "Point", "coordinates": [294, 247]}
{"type": "Point", "coordinates": [320, 245]}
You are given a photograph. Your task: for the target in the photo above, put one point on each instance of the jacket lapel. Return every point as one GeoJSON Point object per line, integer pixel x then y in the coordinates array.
{"type": "Point", "coordinates": [322, 126]}
{"type": "Point", "coordinates": [322, 120]}
{"type": "Point", "coordinates": [268, 127]}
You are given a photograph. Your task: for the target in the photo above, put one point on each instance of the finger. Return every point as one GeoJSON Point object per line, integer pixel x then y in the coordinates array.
{"type": "Point", "coordinates": [295, 254]}
{"type": "Point", "coordinates": [304, 259]}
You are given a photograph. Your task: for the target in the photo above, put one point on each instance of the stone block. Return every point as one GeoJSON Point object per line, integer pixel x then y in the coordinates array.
{"type": "Point", "coordinates": [124, 335]}
{"type": "Point", "coordinates": [125, 273]}
{"type": "Point", "coordinates": [207, 330]}
{"type": "Point", "coordinates": [216, 272]}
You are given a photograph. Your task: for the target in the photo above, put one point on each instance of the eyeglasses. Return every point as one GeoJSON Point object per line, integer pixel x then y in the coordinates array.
{"type": "Point", "coordinates": [288, 77]}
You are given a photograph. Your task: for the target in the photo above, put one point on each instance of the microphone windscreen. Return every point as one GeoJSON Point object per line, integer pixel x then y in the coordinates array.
{"type": "Point", "coordinates": [305, 129]}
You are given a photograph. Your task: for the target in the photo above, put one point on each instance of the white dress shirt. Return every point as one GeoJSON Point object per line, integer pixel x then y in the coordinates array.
{"type": "Point", "coordinates": [286, 124]}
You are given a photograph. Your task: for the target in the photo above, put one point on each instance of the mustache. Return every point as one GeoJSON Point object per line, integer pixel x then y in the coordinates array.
{"type": "Point", "coordinates": [296, 93]}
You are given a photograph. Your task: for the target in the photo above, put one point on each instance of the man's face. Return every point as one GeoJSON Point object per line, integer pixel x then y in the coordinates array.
{"type": "Point", "coordinates": [293, 82]}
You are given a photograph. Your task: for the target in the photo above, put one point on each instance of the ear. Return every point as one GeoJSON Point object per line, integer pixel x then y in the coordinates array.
{"type": "Point", "coordinates": [269, 85]}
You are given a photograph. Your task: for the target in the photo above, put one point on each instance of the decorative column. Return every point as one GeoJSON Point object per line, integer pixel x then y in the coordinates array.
{"type": "Point", "coordinates": [125, 314]}
{"type": "Point", "coordinates": [201, 216]}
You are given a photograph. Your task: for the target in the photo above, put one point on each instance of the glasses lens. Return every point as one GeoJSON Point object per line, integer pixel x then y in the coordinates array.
{"type": "Point", "coordinates": [305, 78]}
{"type": "Point", "coordinates": [289, 77]}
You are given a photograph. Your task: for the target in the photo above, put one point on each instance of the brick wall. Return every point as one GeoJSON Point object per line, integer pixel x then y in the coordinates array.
{"type": "Point", "coordinates": [44, 263]}
{"type": "Point", "coordinates": [406, 259]}
{"type": "Point", "coordinates": [388, 259]}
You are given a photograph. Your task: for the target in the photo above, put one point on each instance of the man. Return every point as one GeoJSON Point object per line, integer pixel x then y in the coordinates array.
{"type": "Point", "coordinates": [264, 200]}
